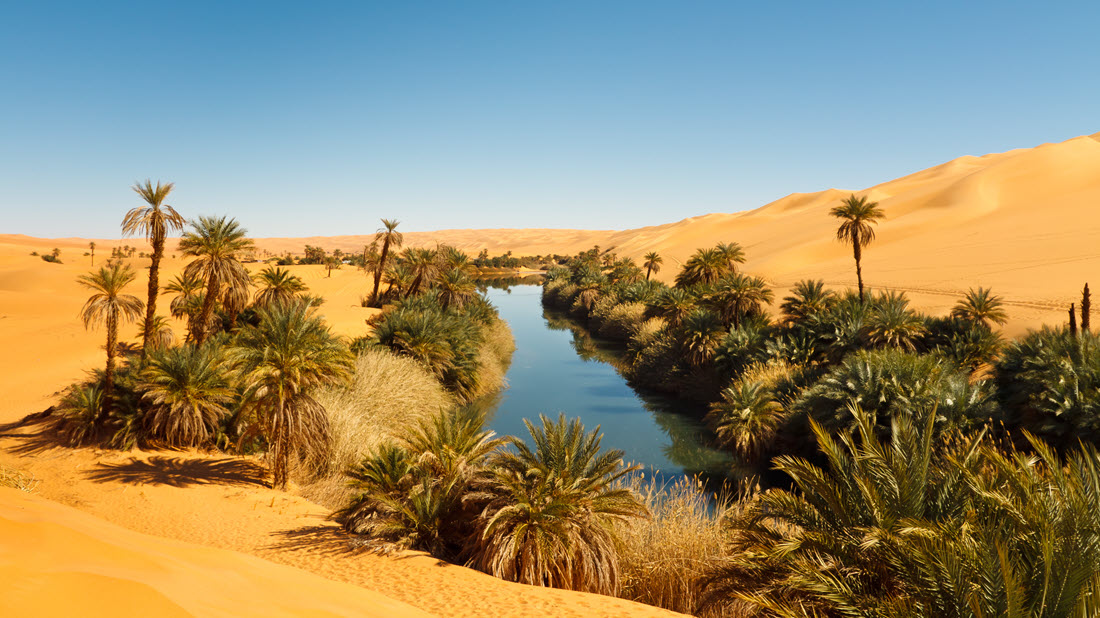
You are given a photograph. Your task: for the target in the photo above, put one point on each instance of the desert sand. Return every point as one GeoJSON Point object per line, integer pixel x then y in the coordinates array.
{"type": "Point", "coordinates": [1023, 222]}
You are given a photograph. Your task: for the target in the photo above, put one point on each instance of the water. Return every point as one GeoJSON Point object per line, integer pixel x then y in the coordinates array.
{"type": "Point", "coordinates": [557, 368]}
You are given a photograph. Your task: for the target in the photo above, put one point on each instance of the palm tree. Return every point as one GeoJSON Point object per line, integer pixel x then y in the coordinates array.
{"type": "Point", "coordinates": [277, 285]}
{"type": "Point", "coordinates": [856, 215]}
{"type": "Point", "coordinates": [673, 305]}
{"type": "Point", "coordinates": [162, 336]}
{"type": "Point", "coordinates": [215, 243]}
{"type": "Point", "coordinates": [388, 236]}
{"type": "Point", "coordinates": [746, 418]}
{"type": "Point", "coordinates": [282, 362]}
{"type": "Point", "coordinates": [652, 264]}
{"type": "Point", "coordinates": [808, 298]}
{"type": "Point", "coordinates": [732, 253]}
{"type": "Point", "coordinates": [108, 306]}
{"type": "Point", "coordinates": [550, 524]}
{"type": "Point", "coordinates": [456, 288]}
{"type": "Point", "coordinates": [704, 266]}
{"type": "Point", "coordinates": [738, 295]}
{"type": "Point", "coordinates": [187, 393]}
{"type": "Point", "coordinates": [700, 334]}
{"type": "Point", "coordinates": [422, 262]}
{"type": "Point", "coordinates": [188, 300]}
{"type": "Point", "coordinates": [893, 324]}
{"type": "Point", "coordinates": [91, 246]}
{"type": "Point", "coordinates": [154, 221]}
{"type": "Point", "coordinates": [981, 306]}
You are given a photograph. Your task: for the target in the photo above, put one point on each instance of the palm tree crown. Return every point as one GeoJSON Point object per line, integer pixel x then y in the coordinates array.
{"type": "Point", "coordinates": [652, 264]}
{"type": "Point", "coordinates": [154, 221]}
{"type": "Point", "coordinates": [389, 237]}
{"type": "Point", "coordinates": [856, 215]}
{"type": "Point", "coordinates": [108, 306]}
{"type": "Point", "coordinates": [982, 307]}
{"type": "Point", "coordinates": [215, 243]}
{"type": "Point", "coordinates": [277, 284]}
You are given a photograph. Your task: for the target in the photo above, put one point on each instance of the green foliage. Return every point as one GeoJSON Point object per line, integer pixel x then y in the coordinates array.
{"type": "Point", "coordinates": [889, 383]}
{"type": "Point", "coordinates": [1049, 383]}
{"type": "Point", "coordinates": [549, 520]}
{"type": "Point", "coordinates": [187, 392]}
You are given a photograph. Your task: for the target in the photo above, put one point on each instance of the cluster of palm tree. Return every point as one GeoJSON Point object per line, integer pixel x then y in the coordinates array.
{"type": "Point", "coordinates": [239, 384]}
{"type": "Point", "coordinates": [539, 514]}
{"type": "Point", "coordinates": [709, 337]}
{"type": "Point", "coordinates": [923, 523]}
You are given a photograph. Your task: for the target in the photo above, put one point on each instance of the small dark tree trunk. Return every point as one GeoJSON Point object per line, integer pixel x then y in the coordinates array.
{"type": "Point", "coordinates": [648, 270]}
{"type": "Point", "coordinates": [859, 271]}
{"type": "Point", "coordinates": [1072, 320]}
{"type": "Point", "coordinates": [1086, 308]}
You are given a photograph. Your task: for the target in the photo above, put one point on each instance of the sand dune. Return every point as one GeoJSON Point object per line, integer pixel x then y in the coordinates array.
{"type": "Point", "coordinates": [1023, 222]}
{"type": "Point", "coordinates": [58, 561]}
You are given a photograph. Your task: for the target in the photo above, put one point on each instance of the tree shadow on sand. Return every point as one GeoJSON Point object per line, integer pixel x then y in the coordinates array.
{"type": "Point", "coordinates": [182, 472]}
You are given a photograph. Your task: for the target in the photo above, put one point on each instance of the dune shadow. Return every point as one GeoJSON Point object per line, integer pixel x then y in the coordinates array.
{"type": "Point", "coordinates": [323, 539]}
{"type": "Point", "coordinates": [181, 472]}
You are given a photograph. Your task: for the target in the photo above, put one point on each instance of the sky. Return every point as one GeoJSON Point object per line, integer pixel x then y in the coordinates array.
{"type": "Point", "coordinates": [319, 118]}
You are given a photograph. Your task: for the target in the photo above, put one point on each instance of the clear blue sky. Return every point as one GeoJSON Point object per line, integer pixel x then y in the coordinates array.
{"type": "Point", "coordinates": [319, 118]}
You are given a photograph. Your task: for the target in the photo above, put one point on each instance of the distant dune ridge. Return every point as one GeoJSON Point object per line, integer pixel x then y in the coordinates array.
{"type": "Point", "coordinates": [1025, 222]}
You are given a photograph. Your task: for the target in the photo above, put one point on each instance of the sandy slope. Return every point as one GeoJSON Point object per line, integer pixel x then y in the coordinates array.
{"type": "Point", "coordinates": [58, 561]}
{"type": "Point", "coordinates": [1023, 222]}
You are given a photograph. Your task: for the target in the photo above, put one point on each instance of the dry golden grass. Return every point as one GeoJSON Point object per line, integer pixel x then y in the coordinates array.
{"type": "Point", "coordinates": [388, 394]}
{"type": "Point", "coordinates": [9, 477]}
{"type": "Point", "coordinates": [495, 355]}
{"type": "Point", "coordinates": [665, 558]}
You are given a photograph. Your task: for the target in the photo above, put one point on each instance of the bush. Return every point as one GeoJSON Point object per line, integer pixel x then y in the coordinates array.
{"type": "Point", "coordinates": [623, 321]}
{"type": "Point", "coordinates": [888, 383]}
{"type": "Point", "coordinates": [1049, 384]}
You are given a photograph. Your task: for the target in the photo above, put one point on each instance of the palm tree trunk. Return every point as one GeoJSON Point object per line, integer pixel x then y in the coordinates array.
{"type": "Point", "coordinates": [109, 374]}
{"type": "Point", "coordinates": [378, 273]}
{"type": "Point", "coordinates": [859, 270]}
{"type": "Point", "coordinates": [415, 284]}
{"type": "Point", "coordinates": [207, 310]}
{"type": "Point", "coordinates": [154, 287]}
{"type": "Point", "coordinates": [648, 270]}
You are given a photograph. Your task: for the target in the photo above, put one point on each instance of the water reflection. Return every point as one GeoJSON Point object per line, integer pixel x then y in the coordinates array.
{"type": "Point", "coordinates": [559, 367]}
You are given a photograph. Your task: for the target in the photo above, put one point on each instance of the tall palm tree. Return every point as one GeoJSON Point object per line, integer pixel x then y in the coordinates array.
{"type": "Point", "coordinates": [91, 246]}
{"type": "Point", "coordinates": [282, 362]}
{"type": "Point", "coordinates": [389, 237]}
{"type": "Point", "coordinates": [187, 391]}
{"type": "Point", "coordinates": [981, 306]}
{"type": "Point", "coordinates": [214, 242]}
{"type": "Point", "coordinates": [422, 262]}
{"type": "Point", "coordinates": [154, 221]}
{"type": "Point", "coordinates": [277, 285]}
{"type": "Point", "coordinates": [856, 215]}
{"type": "Point", "coordinates": [108, 306]}
{"type": "Point", "coordinates": [652, 264]}
{"type": "Point", "coordinates": [738, 295]}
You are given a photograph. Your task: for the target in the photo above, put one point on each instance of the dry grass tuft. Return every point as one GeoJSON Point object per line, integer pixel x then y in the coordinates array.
{"type": "Point", "coordinates": [665, 558]}
{"type": "Point", "coordinates": [17, 480]}
{"type": "Point", "coordinates": [494, 357]}
{"type": "Point", "coordinates": [388, 394]}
